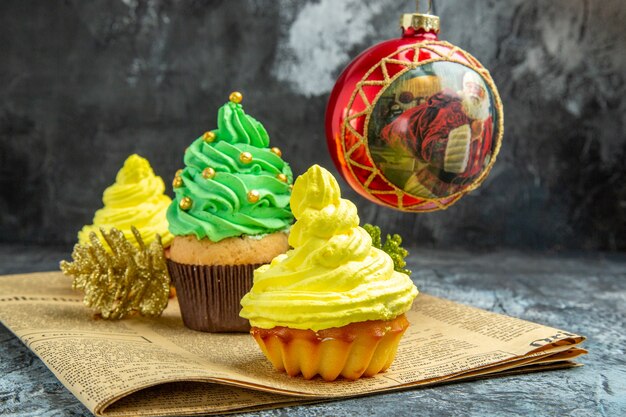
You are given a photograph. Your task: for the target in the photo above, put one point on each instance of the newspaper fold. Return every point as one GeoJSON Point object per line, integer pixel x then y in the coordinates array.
{"type": "Point", "coordinates": [153, 367]}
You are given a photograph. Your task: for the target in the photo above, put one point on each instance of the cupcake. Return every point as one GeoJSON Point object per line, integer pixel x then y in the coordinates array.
{"type": "Point", "coordinates": [231, 214]}
{"type": "Point", "coordinates": [333, 305]}
{"type": "Point", "coordinates": [135, 199]}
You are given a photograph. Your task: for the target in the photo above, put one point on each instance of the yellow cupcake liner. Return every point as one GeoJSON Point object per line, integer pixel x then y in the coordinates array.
{"type": "Point", "coordinates": [356, 350]}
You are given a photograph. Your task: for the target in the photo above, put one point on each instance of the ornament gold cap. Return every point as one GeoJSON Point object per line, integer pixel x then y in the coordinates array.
{"type": "Point", "coordinates": [417, 21]}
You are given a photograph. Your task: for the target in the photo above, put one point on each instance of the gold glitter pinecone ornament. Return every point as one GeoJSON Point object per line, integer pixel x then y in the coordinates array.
{"type": "Point", "coordinates": [123, 280]}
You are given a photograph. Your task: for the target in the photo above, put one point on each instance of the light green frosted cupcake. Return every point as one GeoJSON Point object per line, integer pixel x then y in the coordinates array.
{"type": "Point", "coordinates": [230, 214]}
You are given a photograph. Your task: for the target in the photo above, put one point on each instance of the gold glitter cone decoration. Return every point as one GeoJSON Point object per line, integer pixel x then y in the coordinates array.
{"type": "Point", "coordinates": [122, 281]}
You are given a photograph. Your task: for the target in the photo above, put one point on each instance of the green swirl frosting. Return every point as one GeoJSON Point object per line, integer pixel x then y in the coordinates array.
{"type": "Point", "coordinates": [237, 127]}
{"type": "Point", "coordinates": [240, 196]}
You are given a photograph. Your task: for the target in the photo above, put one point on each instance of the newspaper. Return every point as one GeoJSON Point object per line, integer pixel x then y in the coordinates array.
{"type": "Point", "coordinates": [153, 367]}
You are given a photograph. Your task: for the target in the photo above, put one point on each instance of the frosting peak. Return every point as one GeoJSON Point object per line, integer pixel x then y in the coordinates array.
{"type": "Point", "coordinates": [134, 170]}
{"type": "Point", "coordinates": [235, 126]}
{"type": "Point", "coordinates": [321, 212]}
{"type": "Point", "coordinates": [314, 190]}
{"type": "Point", "coordinates": [333, 276]}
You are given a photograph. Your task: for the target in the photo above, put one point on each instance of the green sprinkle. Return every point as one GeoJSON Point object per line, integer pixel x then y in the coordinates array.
{"type": "Point", "coordinates": [391, 247]}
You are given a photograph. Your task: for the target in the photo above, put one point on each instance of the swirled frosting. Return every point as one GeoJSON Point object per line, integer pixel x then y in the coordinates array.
{"type": "Point", "coordinates": [332, 276]}
{"type": "Point", "coordinates": [135, 199]}
{"type": "Point", "coordinates": [240, 196]}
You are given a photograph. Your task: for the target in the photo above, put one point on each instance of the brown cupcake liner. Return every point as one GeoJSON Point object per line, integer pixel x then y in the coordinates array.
{"type": "Point", "coordinates": [209, 296]}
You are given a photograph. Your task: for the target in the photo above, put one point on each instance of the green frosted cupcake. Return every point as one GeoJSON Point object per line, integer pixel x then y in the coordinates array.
{"type": "Point", "coordinates": [230, 214]}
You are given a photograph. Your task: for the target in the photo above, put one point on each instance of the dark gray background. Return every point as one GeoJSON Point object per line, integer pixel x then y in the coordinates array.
{"type": "Point", "coordinates": [85, 83]}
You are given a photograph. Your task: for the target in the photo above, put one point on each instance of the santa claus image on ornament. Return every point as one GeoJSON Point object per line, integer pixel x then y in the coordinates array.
{"type": "Point", "coordinates": [448, 134]}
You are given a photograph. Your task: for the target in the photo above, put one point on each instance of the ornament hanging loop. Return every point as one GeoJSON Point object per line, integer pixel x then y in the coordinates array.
{"type": "Point", "coordinates": [430, 6]}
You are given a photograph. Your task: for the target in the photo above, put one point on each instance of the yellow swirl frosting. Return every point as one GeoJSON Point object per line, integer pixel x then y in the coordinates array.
{"type": "Point", "coordinates": [135, 199]}
{"type": "Point", "coordinates": [333, 276]}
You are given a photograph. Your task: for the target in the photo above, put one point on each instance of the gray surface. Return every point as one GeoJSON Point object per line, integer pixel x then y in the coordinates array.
{"type": "Point", "coordinates": [585, 294]}
{"type": "Point", "coordinates": [84, 84]}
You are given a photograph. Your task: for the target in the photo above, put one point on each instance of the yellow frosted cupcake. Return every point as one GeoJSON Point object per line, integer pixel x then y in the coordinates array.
{"type": "Point", "coordinates": [333, 305]}
{"type": "Point", "coordinates": [135, 199]}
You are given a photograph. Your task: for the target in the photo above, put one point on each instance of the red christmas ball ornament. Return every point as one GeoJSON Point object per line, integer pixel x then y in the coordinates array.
{"type": "Point", "coordinates": [414, 123]}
